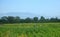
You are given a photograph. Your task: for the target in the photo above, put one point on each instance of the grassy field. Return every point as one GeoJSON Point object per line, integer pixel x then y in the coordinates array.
{"type": "Point", "coordinates": [30, 30]}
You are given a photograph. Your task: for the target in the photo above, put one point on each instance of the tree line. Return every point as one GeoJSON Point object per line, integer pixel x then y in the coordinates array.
{"type": "Point", "coordinates": [17, 19]}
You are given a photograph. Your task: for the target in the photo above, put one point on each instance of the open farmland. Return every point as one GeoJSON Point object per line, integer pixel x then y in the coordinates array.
{"type": "Point", "coordinates": [30, 30]}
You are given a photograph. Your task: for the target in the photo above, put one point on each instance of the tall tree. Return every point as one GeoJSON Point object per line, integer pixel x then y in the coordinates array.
{"type": "Point", "coordinates": [54, 19]}
{"type": "Point", "coordinates": [4, 19]}
{"type": "Point", "coordinates": [35, 19]}
{"type": "Point", "coordinates": [42, 19]}
{"type": "Point", "coordinates": [11, 19]}
{"type": "Point", "coordinates": [17, 19]}
{"type": "Point", "coordinates": [28, 20]}
{"type": "Point", "coordinates": [22, 21]}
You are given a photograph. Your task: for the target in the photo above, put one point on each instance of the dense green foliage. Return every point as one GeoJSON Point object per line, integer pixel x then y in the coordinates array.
{"type": "Point", "coordinates": [11, 19]}
{"type": "Point", "coordinates": [30, 30]}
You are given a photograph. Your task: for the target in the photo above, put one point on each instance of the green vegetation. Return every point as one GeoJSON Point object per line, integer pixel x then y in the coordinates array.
{"type": "Point", "coordinates": [30, 30]}
{"type": "Point", "coordinates": [17, 19]}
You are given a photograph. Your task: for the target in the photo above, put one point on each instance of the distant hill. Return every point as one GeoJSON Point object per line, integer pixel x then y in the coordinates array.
{"type": "Point", "coordinates": [20, 14]}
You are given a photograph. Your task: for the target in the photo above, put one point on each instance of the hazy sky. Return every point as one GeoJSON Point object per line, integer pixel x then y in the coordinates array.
{"type": "Point", "coordinates": [30, 8]}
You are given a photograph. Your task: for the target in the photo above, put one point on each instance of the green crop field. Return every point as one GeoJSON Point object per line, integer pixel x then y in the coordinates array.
{"type": "Point", "coordinates": [30, 30]}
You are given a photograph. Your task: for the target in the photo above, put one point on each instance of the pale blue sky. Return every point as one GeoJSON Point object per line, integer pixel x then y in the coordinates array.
{"type": "Point", "coordinates": [30, 8]}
